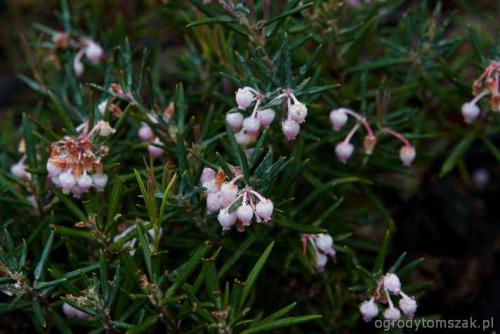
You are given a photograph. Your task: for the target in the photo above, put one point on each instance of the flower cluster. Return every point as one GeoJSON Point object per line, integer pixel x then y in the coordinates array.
{"type": "Point", "coordinates": [146, 134]}
{"type": "Point", "coordinates": [487, 84]}
{"type": "Point", "coordinates": [235, 206]}
{"type": "Point", "coordinates": [344, 149]}
{"type": "Point", "coordinates": [247, 129]}
{"type": "Point", "coordinates": [75, 163]}
{"type": "Point", "coordinates": [387, 285]}
{"type": "Point", "coordinates": [85, 46]}
{"type": "Point", "coordinates": [322, 246]}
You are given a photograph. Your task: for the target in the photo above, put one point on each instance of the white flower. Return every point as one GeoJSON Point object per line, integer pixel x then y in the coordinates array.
{"type": "Point", "coordinates": [251, 125]}
{"type": "Point", "coordinates": [407, 154]}
{"type": "Point", "coordinates": [470, 111]}
{"type": "Point", "coordinates": [338, 118]}
{"type": "Point", "coordinates": [245, 214]}
{"type": "Point", "coordinates": [99, 181]}
{"type": "Point", "coordinates": [53, 169]}
{"type": "Point", "coordinates": [244, 97]}
{"type": "Point", "coordinates": [266, 117]}
{"type": "Point", "coordinates": [226, 219]}
{"type": "Point", "coordinates": [67, 181]}
{"type": "Point", "coordinates": [264, 209]}
{"type": "Point", "coordinates": [235, 121]}
{"type": "Point", "coordinates": [290, 129]}
{"type": "Point", "coordinates": [344, 150]}
{"type": "Point", "coordinates": [324, 242]}
{"type": "Point", "coordinates": [408, 305]}
{"type": "Point", "coordinates": [84, 182]}
{"type": "Point", "coordinates": [93, 51]}
{"type": "Point", "coordinates": [228, 192]}
{"type": "Point", "coordinates": [243, 138]}
{"type": "Point", "coordinates": [368, 309]}
{"type": "Point", "coordinates": [392, 313]}
{"type": "Point", "coordinates": [208, 174]}
{"type": "Point", "coordinates": [153, 148]}
{"type": "Point", "coordinates": [392, 283]}
{"type": "Point", "coordinates": [213, 202]}
{"type": "Point", "coordinates": [298, 112]}
{"type": "Point", "coordinates": [145, 133]}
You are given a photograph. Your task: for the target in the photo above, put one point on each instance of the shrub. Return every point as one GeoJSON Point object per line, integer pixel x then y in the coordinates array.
{"type": "Point", "coordinates": [232, 166]}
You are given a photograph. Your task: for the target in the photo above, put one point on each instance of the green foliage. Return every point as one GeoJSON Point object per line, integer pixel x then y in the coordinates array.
{"type": "Point", "coordinates": [402, 65]}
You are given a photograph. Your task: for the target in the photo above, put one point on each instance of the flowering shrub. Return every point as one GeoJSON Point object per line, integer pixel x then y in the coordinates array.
{"type": "Point", "coordinates": [193, 167]}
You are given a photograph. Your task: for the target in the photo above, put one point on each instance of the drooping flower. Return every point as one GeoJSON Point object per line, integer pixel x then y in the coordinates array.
{"type": "Point", "coordinates": [388, 287]}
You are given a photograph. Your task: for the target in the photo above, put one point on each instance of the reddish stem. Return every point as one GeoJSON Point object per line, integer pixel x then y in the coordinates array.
{"type": "Point", "coordinates": [397, 135]}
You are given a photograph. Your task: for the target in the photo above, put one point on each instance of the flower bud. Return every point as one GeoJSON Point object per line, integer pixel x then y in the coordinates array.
{"type": "Point", "coordinates": [264, 209]}
{"type": "Point", "coordinates": [408, 305]}
{"type": "Point", "coordinates": [470, 111]}
{"type": "Point", "coordinates": [368, 309]}
{"type": "Point", "coordinates": [208, 174]}
{"type": "Point", "coordinates": [344, 150]}
{"type": "Point", "coordinates": [407, 155]}
{"type": "Point", "coordinates": [251, 125]}
{"type": "Point", "coordinates": [99, 181]}
{"type": "Point", "coordinates": [67, 181]}
{"type": "Point", "coordinates": [369, 144]}
{"type": "Point", "coordinates": [338, 118]}
{"type": "Point", "coordinates": [154, 150]}
{"type": "Point", "coordinates": [235, 121]}
{"type": "Point", "coordinates": [93, 51]}
{"type": "Point", "coordinates": [298, 112]}
{"type": "Point", "coordinates": [244, 97]}
{"type": "Point", "coordinates": [226, 219]}
{"type": "Point", "coordinates": [266, 117]}
{"type": "Point", "coordinates": [245, 214]}
{"type": "Point", "coordinates": [228, 193]}
{"type": "Point", "coordinates": [290, 129]}
{"type": "Point", "coordinates": [145, 133]}
{"type": "Point", "coordinates": [84, 182]}
{"type": "Point", "coordinates": [391, 283]}
{"type": "Point", "coordinates": [213, 202]}
{"type": "Point", "coordinates": [392, 313]}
